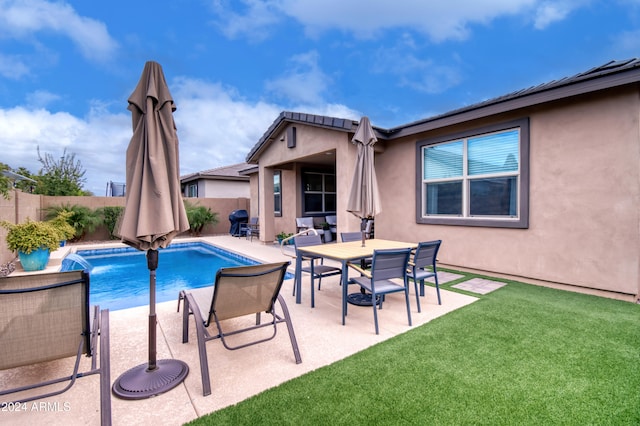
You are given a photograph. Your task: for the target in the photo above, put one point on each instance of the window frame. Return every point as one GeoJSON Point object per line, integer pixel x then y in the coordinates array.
{"type": "Point", "coordinates": [323, 192]}
{"type": "Point", "coordinates": [519, 222]}
{"type": "Point", "coordinates": [192, 190]}
{"type": "Point", "coordinates": [277, 212]}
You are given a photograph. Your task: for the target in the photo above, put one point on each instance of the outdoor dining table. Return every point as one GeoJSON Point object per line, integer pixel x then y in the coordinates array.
{"type": "Point", "coordinates": [344, 253]}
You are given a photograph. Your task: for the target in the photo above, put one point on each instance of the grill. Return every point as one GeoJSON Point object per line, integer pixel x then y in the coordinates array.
{"type": "Point", "coordinates": [237, 217]}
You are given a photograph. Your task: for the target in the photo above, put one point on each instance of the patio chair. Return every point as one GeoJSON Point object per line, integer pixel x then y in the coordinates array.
{"type": "Point", "coordinates": [46, 317]}
{"type": "Point", "coordinates": [333, 223]}
{"type": "Point", "coordinates": [304, 223]}
{"type": "Point", "coordinates": [386, 266]}
{"type": "Point", "coordinates": [356, 236]}
{"type": "Point", "coordinates": [251, 229]}
{"type": "Point", "coordinates": [237, 292]}
{"type": "Point", "coordinates": [423, 265]}
{"type": "Point", "coordinates": [316, 270]}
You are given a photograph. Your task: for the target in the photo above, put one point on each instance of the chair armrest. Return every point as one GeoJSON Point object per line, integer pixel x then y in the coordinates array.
{"type": "Point", "coordinates": [363, 272]}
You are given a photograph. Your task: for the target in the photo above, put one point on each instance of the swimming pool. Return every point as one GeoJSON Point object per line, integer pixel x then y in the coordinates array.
{"type": "Point", "coordinates": [120, 278]}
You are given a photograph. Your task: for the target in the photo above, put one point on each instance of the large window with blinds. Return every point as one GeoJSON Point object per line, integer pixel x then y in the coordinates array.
{"type": "Point", "coordinates": [477, 178]}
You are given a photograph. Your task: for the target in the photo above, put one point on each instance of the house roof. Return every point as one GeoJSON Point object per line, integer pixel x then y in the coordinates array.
{"type": "Point", "coordinates": [232, 172]}
{"type": "Point", "coordinates": [608, 75]}
{"type": "Point", "coordinates": [285, 117]}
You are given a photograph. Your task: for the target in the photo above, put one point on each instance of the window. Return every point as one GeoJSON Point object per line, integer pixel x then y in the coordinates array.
{"type": "Point", "coordinates": [319, 192]}
{"type": "Point", "coordinates": [478, 178]}
{"type": "Point", "coordinates": [277, 193]}
{"type": "Point", "coordinates": [192, 190]}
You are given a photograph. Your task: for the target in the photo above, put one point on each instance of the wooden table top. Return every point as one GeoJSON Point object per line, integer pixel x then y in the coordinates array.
{"type": "Point", "coordinates": [353, 249]}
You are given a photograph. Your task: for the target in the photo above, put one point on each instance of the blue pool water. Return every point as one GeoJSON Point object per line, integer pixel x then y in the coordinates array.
{"type": "Point", "coordinates": [120, 278]}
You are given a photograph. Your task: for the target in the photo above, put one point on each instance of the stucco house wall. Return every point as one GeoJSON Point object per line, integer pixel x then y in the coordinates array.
{"type": "Point", "coordinates": [311, 143]}
{"type": "Point", "coordinates": [222, 189]}
{"type": "Point", "coordinates": [584, 198]}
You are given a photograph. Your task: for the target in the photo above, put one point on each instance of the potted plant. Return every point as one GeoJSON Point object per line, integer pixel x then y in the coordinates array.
{"type": "Point", "coordinates": [282, 236]}
{"type": "Point", "coordinates": [33, 241]}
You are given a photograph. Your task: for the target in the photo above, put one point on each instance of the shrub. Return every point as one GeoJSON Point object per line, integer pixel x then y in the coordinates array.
{"type": "Point", "coordinates": [82, 218]}
{"type": "Point", "coordinates": [199, 216]}
{"type": "Point", "coordinates": [110, 216]}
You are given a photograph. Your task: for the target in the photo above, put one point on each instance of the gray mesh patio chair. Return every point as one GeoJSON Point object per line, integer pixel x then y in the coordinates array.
{"type": "Point", "coordinates": [237, 292]}
{"type": "Point", "coordinates": [423, 265]}
{"type": "Point", "coordinates": [251, 229]}
{"type": "Point", "coordinates": [386, 266]}
{"type": "Point", "coordinates": [46, 317]}
{"type": "Point", "coordinates": [315, 269]}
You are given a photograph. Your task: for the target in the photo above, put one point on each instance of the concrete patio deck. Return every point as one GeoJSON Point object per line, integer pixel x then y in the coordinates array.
{"type": "Point", "coordinates": [235, 375]}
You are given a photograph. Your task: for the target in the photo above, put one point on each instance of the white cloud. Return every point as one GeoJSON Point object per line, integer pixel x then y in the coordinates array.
{"type": "Point", "coordinates": [551, 11]}
{"type": "Point", "coordinates": [41, 98]}
{"type": "Point", "coordinates": [302, 82]}
{"type": "Point", "coordinates": [421, 74]}
{"type": "Point", "coordinates": [438, 20]}
{"type": "Point", "coordinates": [258, 16]}
{"type": "Point", "coordinates": [22, 19]}
{"type": "Point", "coordinates": [99, 141]}
{"type": "Point", "coordinates": [216, 127]}
{"type": "Point", "coordinates": [13, 67]}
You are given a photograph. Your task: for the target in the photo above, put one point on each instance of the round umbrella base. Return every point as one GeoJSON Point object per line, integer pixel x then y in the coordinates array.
{"type": "Point", "coordinates": [140, 382]}
{"type": "Point", "coordinates": [359, 299]}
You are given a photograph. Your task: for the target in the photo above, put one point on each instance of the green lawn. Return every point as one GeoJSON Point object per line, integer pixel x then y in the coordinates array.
{"type": "Point", "coordinates": [520, 355]}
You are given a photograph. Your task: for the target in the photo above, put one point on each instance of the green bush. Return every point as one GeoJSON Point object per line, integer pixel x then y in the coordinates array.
{"type": "Point", "coordinates": [110, 216]}
{"type": "Point", "coordinates": [31, 235]}
{"type": "Point", "coordinates": [83, 219]}
{"type": "Point", "coordinates": [199, 216]}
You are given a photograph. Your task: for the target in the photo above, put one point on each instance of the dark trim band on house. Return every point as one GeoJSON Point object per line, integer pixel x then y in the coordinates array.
{"type": "Point", "coordinates": [478, 177]}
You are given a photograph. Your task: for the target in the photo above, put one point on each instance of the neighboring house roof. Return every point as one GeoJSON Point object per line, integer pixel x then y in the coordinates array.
{"type": "Point", "coordinates": [232, 172]}
{"type": "Point", "coordinates": [609, 75]}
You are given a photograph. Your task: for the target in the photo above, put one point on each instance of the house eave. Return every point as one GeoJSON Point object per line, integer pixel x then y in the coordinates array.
{"type": "Point", "coordinates": [509, 103]}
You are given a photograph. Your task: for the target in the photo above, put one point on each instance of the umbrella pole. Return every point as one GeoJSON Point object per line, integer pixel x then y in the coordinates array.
{"type": "Point", "coordinates": [156, 377]}
{"type": "Point", "coordinates": [152, 264]}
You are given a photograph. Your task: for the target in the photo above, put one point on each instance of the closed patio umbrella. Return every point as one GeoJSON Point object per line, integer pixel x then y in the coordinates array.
{"type": "Point", "coordinates": [364, 197]}
{"type": "Point", "coordinates": [154, 213]}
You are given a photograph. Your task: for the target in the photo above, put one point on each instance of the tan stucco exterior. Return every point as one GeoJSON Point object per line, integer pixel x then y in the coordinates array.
{"type": "Point", "coordinates": [584, 199]}
{"type": "Point", "coordinates": [584, 193]}
{"type": "Point", "coordinates": [313, 145]}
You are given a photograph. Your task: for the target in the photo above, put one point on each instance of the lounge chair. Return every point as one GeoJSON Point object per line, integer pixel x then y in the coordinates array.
{"type": "Point", "coordinates": [46, 317]}
{"type": "Point", "coordinates": [237, 292]}
{"type": "Point", "coordinates": [316, 270]}
{"type": "Point", "coordinates": [386, 266]}
{"type": "Point", "coordinates": [423, 265]}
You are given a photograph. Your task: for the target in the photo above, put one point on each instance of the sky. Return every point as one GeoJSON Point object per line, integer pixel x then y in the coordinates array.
{"type": "Point", "coordinates": [67, 68]}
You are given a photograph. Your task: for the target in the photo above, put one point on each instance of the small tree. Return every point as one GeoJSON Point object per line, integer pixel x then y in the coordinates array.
{"type": "Point", "coordinates": [5, 182]}
{"type": "Point", "coordinates": [60, 177]}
